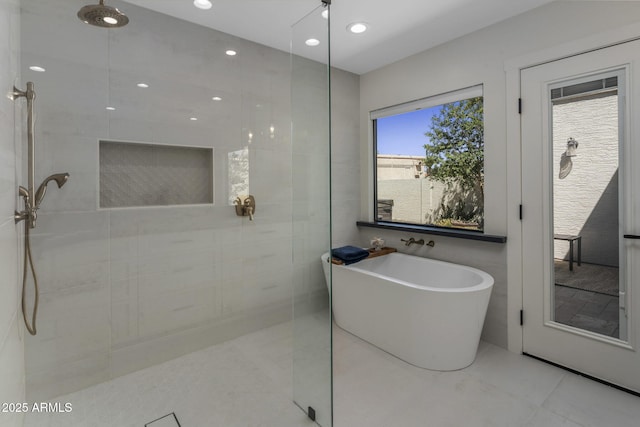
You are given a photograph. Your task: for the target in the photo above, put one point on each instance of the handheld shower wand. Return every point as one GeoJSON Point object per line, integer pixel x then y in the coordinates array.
{"type": "Point", "coordinates": [59, 178]}
{"type": "Point", "coordinates": [32, 199]}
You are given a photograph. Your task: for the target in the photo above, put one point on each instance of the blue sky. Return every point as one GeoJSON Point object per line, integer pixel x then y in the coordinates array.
{"type": "Point", "coordinates": [404, 133]}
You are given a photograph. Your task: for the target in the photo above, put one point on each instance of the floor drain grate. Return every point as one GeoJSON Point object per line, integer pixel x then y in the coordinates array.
{"type": "Point", "coordinates": [169, 420]}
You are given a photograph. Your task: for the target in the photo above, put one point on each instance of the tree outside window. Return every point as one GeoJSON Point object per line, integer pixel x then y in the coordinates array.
{"type": "Point", "coordinates": [430, 161]}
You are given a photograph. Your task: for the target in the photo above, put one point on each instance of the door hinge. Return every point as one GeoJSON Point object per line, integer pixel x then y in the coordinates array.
{"type": "Point", "coordinates": [519, 105]}
{"type": "Point", "coordinates": [521, 317]}
{"type": "Point", "coordinates": [520, 212]}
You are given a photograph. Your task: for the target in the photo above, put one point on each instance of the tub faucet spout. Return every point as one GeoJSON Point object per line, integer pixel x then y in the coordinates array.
{"type": "Point", "coordinates": [412, 241]}
{"type": "Point", "coordinates": [421, 242]}
{"type": "Point", "coordinates": [408, 242]}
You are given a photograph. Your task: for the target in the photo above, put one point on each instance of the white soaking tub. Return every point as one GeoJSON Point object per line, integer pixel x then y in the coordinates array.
{"type": "Point", "coordinates": [428, 313]}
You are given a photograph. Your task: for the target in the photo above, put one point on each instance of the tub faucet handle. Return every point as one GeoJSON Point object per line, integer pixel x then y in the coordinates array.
{"type": "Point", "coordinates": [412, 241]}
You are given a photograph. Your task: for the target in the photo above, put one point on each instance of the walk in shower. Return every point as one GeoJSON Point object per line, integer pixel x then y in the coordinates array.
{"type": "Point", "coordinates": [142, 257]}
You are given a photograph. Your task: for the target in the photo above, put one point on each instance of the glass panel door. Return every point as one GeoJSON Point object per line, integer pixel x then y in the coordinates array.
{"type": "Point", "coordinates": [310, 106]}
{"type": "Point", "coordinates": [580, 201]}
{"type": "Point", "coordinates": [586, 125]}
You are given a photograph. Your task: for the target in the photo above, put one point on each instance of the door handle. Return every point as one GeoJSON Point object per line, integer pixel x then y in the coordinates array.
{"type": "Point", "coordinates": [631, 236]}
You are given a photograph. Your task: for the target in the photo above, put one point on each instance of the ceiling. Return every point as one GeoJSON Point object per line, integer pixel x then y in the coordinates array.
{"type": "Point", "coordinates": [397, 28]}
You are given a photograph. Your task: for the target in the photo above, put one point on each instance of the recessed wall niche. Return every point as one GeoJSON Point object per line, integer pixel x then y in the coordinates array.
{"type": "Point", "coordinates": [141, 174]}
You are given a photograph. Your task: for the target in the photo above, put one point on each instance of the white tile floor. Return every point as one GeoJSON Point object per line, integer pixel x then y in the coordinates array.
{"type": "Point", "coordinates": [247, 382]}
{"type": "Point", "coordinates": [374, 389]}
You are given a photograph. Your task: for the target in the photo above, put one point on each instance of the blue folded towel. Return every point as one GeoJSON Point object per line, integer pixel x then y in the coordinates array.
{"type": "Point", "coordinates": [349, 254]}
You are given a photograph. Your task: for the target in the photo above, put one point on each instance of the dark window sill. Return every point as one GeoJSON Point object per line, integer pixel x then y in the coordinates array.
{"type": "Point", "coordinates": [435, 231]}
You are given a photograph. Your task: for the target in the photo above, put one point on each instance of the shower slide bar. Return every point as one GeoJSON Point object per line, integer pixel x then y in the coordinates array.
{"type": "Point", "coordinates": [32, 201]}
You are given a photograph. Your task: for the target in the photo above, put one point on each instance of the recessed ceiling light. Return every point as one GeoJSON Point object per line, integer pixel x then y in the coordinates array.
{"type": "Point", "coordinates": [111, 108]}
{"type": "Point", "coordinates": [37, 68]}
{"type": "Point", "coordinates": [325, 14]}
{"type": "Point", "coordinates": [312, 42]}
{"type": "Point", "coordinates": [217, 98]}
{"type": "Point", "coordinates": [357, 27]}
{"type": "Point", "coordinates": [109, 20]}
{"type": "Point", "coordinates": [231, 52]}
{"type": "Point", "coordinates": [202, 4]}
{"type": "Point", "coordinates": [193, 119]}
{"type": "Point", "coordinates": [143, 85]}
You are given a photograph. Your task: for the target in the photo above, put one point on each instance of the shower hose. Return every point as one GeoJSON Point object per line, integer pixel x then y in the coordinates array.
{"type": "Point", "coordinates": [28, 262]}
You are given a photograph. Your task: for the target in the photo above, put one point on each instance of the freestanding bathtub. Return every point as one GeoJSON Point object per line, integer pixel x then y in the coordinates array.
{"type": "Point", "coordinates": [428, 313]}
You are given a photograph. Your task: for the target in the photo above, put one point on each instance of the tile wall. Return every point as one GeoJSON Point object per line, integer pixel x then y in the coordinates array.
{"type": "Point", "coordinates": [11, 330]}
{"type": "Point", "coordinates": [123, 289]}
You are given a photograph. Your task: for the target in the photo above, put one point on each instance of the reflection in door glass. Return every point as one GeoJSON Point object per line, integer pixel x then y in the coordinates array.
{"type": "Point", "coordinates": [585, 126]}
{"type": "Point", "coordinates": [238, 170]}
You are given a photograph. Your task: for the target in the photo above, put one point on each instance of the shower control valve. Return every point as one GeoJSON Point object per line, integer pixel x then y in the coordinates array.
{"type": "Point", "coordinates": [245, 206]}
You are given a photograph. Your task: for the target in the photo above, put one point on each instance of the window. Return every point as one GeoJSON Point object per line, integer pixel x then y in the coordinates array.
{"type": "Point", "coordinates": [429, 161]}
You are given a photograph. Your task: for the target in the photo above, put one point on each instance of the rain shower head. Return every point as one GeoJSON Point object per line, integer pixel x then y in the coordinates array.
{"type": "Point", "coordinates": [103, 16]}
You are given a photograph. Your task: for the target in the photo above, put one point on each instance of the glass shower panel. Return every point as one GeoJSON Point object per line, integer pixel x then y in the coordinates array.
{"type": "Point", "coordinates": [130, 288]}
{"type": "Point", "coordinates": [310, 106]}
{"type": "Point", "coordinates": [124, 289]}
